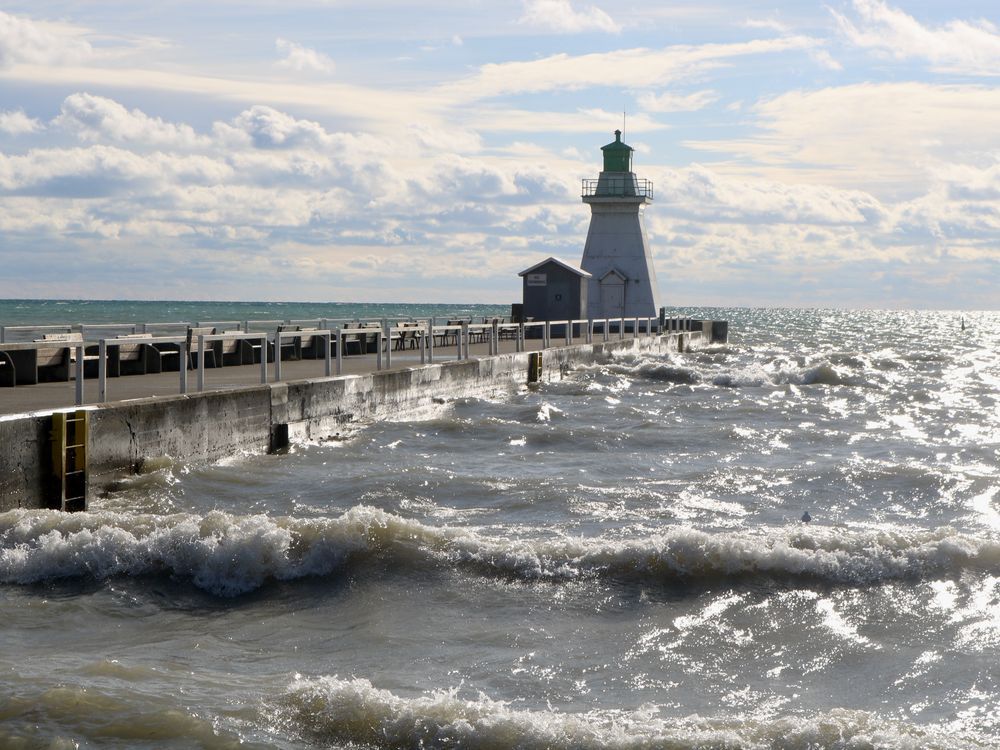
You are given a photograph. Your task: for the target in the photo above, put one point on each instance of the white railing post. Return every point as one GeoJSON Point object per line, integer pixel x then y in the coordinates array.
{"type": "Point", "coordinates": [277, 356]}
{"type": "Point", "coordinates": [520, 336]}
{"type": "Point", "coordinates": [590, 330]}
{"type": "Point", "coordinates": [340, 351]}
{"type": "Point", "coordinates": [201, 362]}
{"type": "Point", "coordinates": [263, 359]}
{"type": "Point", "coordinates": [102, 371]}
{"type": "Point", "coordinates": [378, 347]}
{"type": "Point", "coordinates": [458, 340]}
{"type": "Point", "coordinates": [423, 344]}
{"type": "Point", "coordinates": [430, 342]}
{"type": "Point", "coordinates": [79, 375]}
{"type": "Point", "coordinates": [388, 345]}
{"type": "Point", "coordinates": [569, 332]}
{"type": "Point", "coordinates": [182, 365]}
{"type": "Point", "coordinates": [495, 338]}
{"type": "Point", "coordinates": [635, 328]}
{"type": "Point", "coordinates": [464, 339]}
{"type": "Point", "coordinates": [546, 334]}
{"type": "Point", "coordinates": [621, 329]}
{"type": "Point", "coordinates": [327, 363]}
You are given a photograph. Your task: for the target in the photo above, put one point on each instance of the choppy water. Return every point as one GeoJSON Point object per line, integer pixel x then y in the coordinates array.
{"type": "Point", "coordinates": [612, 561]}
{"type": "Point", "coordinates": [20, 312]}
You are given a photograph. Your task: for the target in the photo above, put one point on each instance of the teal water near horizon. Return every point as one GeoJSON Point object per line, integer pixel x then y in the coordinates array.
{"type": "Point", "coordinates": [24, 312]}
{"type": "Point", "coordinates": [18, 312]}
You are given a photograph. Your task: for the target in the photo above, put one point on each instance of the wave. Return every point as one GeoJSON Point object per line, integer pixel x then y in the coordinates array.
{"type": "Point", "coordinates": [71, 717]}
{"type": "Point", "coordinates": [329, 709]}
{"type": "Point", "coordinates": [774, 373]}
{"type": "Point", "coordinates": [228, 555]}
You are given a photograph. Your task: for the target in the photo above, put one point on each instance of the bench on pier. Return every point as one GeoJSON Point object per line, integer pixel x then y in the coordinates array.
{"type": "Point", "coordinates": [311, 345]}
{"type": "Point", "coordinates": [236, 351]}
{"type": "Point", "coordinates": [291, 346]}
{"type": "Point", "coordinates": [7, 374]}
{"type": "Point", "coordinates": [363, 342]}
{"type": "Point", "coordinates": [406, 335]}
{"type": "Point", "coordinates": [129, 354]}
{"type": "Point", "coordinates": [449, 337]}
{"type": "Point", "coordinates": [48, 359]}
{"type": "Point", "coordinates": [170, 353]}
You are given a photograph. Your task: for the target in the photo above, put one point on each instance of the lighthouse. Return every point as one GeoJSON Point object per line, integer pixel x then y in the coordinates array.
{"type": "Point", "coordinates": [622, 281]}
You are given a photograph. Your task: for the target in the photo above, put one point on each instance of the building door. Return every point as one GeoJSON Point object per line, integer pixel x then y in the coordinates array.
{"type": "Point", "coordinates": [612, 297]}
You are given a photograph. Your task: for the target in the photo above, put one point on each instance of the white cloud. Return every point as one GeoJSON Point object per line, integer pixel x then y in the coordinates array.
{"type": "Point", "coordinates": [561, 17]}
{"type": "Point", "coordinates": [884, 138]}
{"type": "Point", "coordinates": [635, 68]}
{"type": "Point", "coordinates": [18, 123]}
{"type": "Point", "coordinates": [531, 121]}
{"type": "Point", "coordinates": [381, 108]}
{"type": "Point", "coordinates": [669, 102]}
{"type": "Point", "coordinates": [266, 127]}
{"type": "Point", "coordinates": [825, 60]}
{"type": "Point", "coordinates": [96, 118]}
{"type": "Point", "coordinates": [302, 59]}
{"type": "Point", "coordinates": [959, 46]}
{"type": "Point", "coordinates": [100, 170]}
{"type": "Point", "coordinates": [23, 40]}
{"type": "Point", "coordinates": [767, 23]}
{"type": "Point", "coordinates": [700, 193]}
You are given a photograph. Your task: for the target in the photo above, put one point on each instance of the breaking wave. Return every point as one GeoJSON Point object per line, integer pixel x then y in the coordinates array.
{"type": "Point", "coordinates": [329, 709]}
{"type": "Point", "coordinates": [228, 555]}
{"type": "Point", "coordinates": [838, 371]}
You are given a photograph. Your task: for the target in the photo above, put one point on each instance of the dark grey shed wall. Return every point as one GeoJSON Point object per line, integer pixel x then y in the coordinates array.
{"type": "Point", "coordinates": [563, 296]}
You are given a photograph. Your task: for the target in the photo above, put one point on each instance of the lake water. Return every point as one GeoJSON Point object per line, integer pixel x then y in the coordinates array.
{"type": "Point", "coordinates": [616, 560]}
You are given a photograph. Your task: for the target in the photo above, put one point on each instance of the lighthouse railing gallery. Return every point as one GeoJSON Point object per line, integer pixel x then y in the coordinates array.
{"type": "Point", "coordinates": [626, 186]}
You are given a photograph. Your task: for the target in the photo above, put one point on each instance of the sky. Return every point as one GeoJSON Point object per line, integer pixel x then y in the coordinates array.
{"type": "Point", "coordinates": [806, 154]}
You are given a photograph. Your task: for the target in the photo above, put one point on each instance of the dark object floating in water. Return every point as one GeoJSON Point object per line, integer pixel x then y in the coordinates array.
{"type": "Point", "coordinates": [806, 518]}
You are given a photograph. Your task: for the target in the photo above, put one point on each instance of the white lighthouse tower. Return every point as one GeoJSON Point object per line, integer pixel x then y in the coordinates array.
{"type": "Point", "coordinates": [617, 255]}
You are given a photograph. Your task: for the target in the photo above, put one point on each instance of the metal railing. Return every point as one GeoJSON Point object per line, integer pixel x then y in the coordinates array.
{"type": "Point", "coordinates": [617, 187]}
{"type": "Point", "coordinates": [428, 338]}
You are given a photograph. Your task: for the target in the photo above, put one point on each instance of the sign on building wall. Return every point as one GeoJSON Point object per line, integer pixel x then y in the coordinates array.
{"type": "Point", "coordinates": [537, 279]}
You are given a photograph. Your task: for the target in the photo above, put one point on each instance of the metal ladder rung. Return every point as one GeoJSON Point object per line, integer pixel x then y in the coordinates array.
{"type": "Point", "coordinates": [65, 454]}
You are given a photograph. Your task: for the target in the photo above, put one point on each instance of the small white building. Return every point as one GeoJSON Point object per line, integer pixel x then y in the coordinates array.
{"type": "Point", "coordinates": [617, 255]}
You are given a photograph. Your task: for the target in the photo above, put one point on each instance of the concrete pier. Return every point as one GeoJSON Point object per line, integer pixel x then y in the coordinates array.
{"type": "Point", "coordinates": [238, 417]}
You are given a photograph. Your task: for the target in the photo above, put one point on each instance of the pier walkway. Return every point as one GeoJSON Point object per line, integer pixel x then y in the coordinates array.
{"type": "Point", "coordinates": [43, 397]}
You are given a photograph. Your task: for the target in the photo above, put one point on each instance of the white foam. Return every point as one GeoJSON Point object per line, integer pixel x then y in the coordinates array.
{"type": "Point", "coordinates": [230, 554]}
{"type": "Point", "coordinates": [333, 710]}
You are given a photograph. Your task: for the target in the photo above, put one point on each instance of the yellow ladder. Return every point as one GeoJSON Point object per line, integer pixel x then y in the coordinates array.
{"type": "Point", "coordinates": [70, 431]}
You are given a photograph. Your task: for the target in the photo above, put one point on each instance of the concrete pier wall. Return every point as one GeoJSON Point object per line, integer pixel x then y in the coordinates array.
{"type": "Point", "coordinates": [212, 425]}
